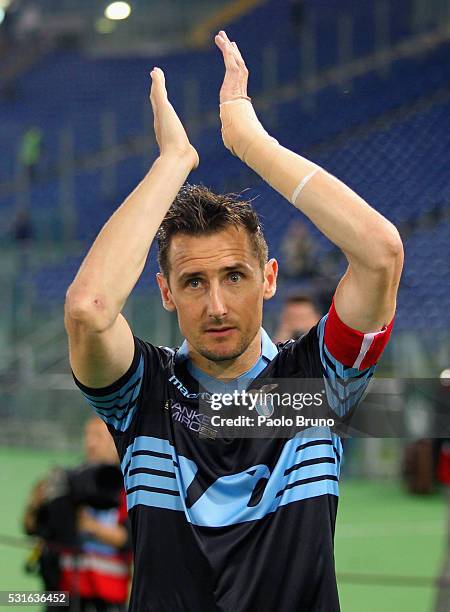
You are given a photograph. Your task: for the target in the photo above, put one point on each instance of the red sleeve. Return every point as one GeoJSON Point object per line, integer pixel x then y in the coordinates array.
{"type": "Point", "coordinates": [352, 347]}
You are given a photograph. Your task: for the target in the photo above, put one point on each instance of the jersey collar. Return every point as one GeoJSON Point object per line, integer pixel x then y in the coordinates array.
{"type": "Point", "coordinates": [268, 348]}
{"type": "Point", "coordinates": [268, 352]}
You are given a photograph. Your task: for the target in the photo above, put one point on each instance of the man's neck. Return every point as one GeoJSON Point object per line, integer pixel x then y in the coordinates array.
{"type": "Point", "coordinates": [229, 368]}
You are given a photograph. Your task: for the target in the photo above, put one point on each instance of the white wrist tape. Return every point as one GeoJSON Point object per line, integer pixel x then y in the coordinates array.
{"type": "Point", "coordinates": [240, 126]}
{"type": "Point", "coordinates": [245, 137]}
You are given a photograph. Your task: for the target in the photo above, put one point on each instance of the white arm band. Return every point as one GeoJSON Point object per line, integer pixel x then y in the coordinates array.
{"type": "Point", "coordinates": [302, 184]}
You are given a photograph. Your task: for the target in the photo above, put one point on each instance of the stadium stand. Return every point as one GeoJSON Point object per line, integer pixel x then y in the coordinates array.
{"type": "Point", "coordinates": [381, 132]}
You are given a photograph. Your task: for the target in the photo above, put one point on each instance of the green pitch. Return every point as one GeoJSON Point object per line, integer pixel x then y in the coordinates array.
{"type": "Point", "coordinates": [383, 536]}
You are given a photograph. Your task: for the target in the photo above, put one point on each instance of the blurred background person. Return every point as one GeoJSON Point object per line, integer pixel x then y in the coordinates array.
{"type": "Point", "coordinates": [31, 152]}
{"type": "Point", "coordinates": [298, 252]}
{"type": "Point", "coordinates": [299, 313]}
{"type": "Point", "coordinates": [22, 228]}
{"type": "Point", "coordinates": [96, 569]}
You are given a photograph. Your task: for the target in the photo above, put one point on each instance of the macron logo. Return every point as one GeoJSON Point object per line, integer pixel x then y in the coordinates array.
{"type": "Point", "coordinates": [182, 389]}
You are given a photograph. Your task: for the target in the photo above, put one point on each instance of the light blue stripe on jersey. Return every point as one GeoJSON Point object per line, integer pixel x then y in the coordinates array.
{"type": "Point", "coordinates": [313, 452]}
{"type": "Point", "coordinates": [146, 443]}
{"type": "Point", "coordinates": [151, 480]}
{"type": "Point", "coordinates": [118, 408]}
{"type": "Point", "coordinates": [225, 502]}
{"type": "Point", "coordinates": [311, 489]}
{"type": "Point", "coordinates": [345, 386]}
{"type": "Point", "coordinates": [148, 461]}
{"type": "Point", "coordinates": [156, 500]}
{"type": "Point", "coordinates": [132, 460]}
{"type": "Point", "coordinates": [340, 449]}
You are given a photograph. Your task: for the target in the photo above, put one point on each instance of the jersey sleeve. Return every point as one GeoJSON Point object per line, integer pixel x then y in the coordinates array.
{"type": "Point", "coordinates": [117, 404]}
{"type": "Point", "coordinates": [348, 358]}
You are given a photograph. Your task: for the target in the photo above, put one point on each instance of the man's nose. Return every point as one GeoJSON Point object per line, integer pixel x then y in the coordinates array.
{"type": "Point", "coordinates": [216, 302]}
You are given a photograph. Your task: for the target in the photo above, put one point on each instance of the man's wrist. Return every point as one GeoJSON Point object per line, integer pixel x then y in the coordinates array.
{"type": "Point", "coordinates": [241, 127]}
{"type": "Point", "coordinates": [185, 159]}
{"type": "Point", "coordinates": [230, 100]}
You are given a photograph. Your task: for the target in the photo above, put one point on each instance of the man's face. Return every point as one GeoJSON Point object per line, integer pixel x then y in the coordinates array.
{"type": "Point", "coordinates": [217, 287]}
{"type": "Point", "coordinates": [299, 317]}
{"type": "Point", "coordinates": [98, 443]}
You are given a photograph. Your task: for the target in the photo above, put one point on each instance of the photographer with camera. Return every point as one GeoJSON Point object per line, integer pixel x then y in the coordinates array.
{"type": "Point", "coordinates": [80, 515]}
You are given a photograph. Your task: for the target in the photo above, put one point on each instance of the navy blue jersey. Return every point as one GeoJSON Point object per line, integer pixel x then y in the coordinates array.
{"type": "Point", "coordinates": [232, 525]}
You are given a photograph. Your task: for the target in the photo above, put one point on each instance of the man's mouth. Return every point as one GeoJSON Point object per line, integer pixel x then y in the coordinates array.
{"type": "Point", "coordinates": [218, 332]}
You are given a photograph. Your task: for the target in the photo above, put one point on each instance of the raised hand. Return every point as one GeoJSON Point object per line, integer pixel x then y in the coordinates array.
{"type": "Point", "coordinates": [169, 131]}
{"type": "Point", "coordinates": [234, 84]}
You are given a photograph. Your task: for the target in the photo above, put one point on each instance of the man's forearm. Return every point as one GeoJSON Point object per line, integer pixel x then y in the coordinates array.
{"type": "Point", "coordinates": [117, 257]}
{"type": "Point", "coordinates": [364, 235]}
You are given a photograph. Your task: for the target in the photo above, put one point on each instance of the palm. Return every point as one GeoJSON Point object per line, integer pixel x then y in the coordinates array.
{"type": "Point", "coordinates": [169, 131]}
{"type": "Point", "coordinates": [234, 84]}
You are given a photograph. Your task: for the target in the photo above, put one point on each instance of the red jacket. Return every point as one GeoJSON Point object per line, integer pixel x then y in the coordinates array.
{"type": "Point", "coordinates": [444, 464]}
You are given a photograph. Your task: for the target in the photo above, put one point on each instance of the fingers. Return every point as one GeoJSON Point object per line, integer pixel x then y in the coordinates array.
{"type": "Point", "coordinates": [158, 92]}
{"type": "Point", "coordinates": [231, 54]}
{"type": "Point", "coordinates": [220, 41]}
{"type": "Point", "coordinates": [224, 45]}
{"type": "Point", "coordinates": [225, 36]}
{"type": "Point", "coordinates": [239, 58]}
{"type": "Point", "coordinates": [158, 83]}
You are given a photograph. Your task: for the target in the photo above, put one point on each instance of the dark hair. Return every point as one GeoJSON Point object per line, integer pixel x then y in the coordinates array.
{"type": "Point", "coordinates": [301, 298]}
{"type": "Point", "coordinates": [198, 211]}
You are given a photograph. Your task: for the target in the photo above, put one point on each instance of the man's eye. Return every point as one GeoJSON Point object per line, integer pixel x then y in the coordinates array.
{"type": "Point", "coordinates": [194, 283]}
{"type": "Point", "coordinates": [235, 277]}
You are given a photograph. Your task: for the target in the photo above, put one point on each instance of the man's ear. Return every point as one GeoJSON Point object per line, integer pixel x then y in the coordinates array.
{"type": "Point", "coordinates": [166, 294]}
{"type": "Point", "coordinates": [270, 278]}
